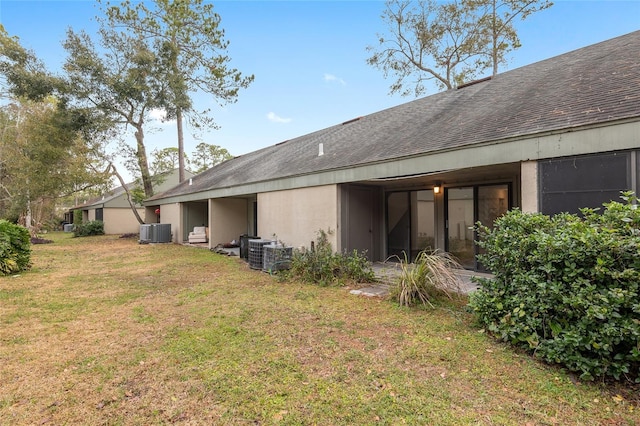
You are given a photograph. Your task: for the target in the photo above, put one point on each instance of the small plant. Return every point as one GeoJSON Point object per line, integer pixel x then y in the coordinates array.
{"type": "Point", "coordinates": [321, 265]}
{"type": "Point", "coordinates": [431, 276]}
{"type": "Point", "coordinates": [95, 227]}
{"type": "Point", "coordinates": [15, 248]}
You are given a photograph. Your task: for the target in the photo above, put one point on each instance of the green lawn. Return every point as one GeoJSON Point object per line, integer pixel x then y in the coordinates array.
{"type": "Point", "coordinates": [104, 330]}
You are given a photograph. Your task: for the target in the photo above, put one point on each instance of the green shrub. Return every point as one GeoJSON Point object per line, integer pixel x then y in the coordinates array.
{"type": "Point", "coordinates": [15, 248]}
{"type": "Point", "coordinates": [431, 276]}
{"type": "Point", "coordinates": [322, 266]}
{"type": "Point", "coordinates": [567, 287]}
{"type": "Point", "coordinates": [77, 217]}
{"type": "Point", "coordinates": [95, 227]}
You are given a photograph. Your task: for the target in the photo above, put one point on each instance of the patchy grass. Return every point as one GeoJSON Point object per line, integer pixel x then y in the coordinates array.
{"type": "Point", "coordinates": [103, 330]}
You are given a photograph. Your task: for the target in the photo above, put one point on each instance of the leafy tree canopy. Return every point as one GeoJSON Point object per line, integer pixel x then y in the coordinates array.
{"type": "Point", "coordinates": [191, 54]}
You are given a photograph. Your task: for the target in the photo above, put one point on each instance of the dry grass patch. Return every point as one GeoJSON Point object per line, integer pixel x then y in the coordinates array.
{"type": "Point", "coordinates": [106, 331]}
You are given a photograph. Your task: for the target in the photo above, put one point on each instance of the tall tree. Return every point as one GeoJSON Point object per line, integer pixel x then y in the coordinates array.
{"type": "Point", "coordinates": [41, 136]}
{"type": "Point", "coordinates": [165, 160]}
{"type": "Point", "coordinates": [191, 48]}
{"type": "Point", "coordinates": [448, 43]}
{"type": "Point", "coordinates": [23, 74]}
{"type": "Point", "coordinates": [497, 18]}
{"type": "Point", "coordinates": [119, 82]}
{"type": "Point", "coordinates": [39, 139]}
{"type": "Point", "coordinates": [207, 155]}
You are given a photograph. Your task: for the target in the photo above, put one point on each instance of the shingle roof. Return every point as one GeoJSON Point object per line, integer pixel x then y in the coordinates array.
{"type": "Point", "coordinates": [592, 85]}
{"type": "Point", "coordinates": [120, 190]}
{"type": "Point", "coordinates": [101, 199]}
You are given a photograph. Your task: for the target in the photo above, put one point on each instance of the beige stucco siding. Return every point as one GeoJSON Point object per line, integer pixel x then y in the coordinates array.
{"type": "Point", "coordinates": [170, 213]}
{"type": "Point", "coordinates": [295, 216]}
{"type": "Point", "coordinates": [227, 220]}
{"type": "Point", "coordinates": [529, 186]}
{"type": "Point", "coordinates": [120, 221]}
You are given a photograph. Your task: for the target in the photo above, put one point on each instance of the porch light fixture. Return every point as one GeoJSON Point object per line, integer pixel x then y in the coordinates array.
{"type": "Point", "coordinates": [436, 188]}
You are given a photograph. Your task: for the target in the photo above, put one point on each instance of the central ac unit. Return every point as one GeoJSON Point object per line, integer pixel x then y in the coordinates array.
{"type": "Point", "coordinates": [145, 234]}
{"type": "Point", "coordinates": [276, 257]}
{"type": "Point", "coordinates": [256, 251]}
{"type": "Point", "coordinates": [161, 233]}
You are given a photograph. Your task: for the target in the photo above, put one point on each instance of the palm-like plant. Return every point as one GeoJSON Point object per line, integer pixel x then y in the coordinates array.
{"type": "Point", "coordinates": [431, 275]}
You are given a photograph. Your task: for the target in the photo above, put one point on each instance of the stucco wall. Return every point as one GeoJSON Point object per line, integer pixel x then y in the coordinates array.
{"type": "Point", "coordinates": [529, 186]}
{"type": "Point", "coordinates": [228, 220]}
{"type": "Point", "coordinates": [295, 216]}
{"type": "Point", "coordinates": [170, 213]}
{"type": "Point", "coordinates": [120, 221]}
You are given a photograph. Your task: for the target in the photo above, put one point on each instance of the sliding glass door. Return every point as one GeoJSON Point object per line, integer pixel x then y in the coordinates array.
{"type": "Point", "coordinates": [464, 207]}
{"type": "Point", "coordinates": [410, 217]}
{"type": "Point", "coordinates": [460, 219]}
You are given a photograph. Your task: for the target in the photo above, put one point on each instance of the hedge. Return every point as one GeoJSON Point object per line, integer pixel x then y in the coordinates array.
{"type": "Point", "coordinates": [86, 229]}
{"type": "Point", "coordinates": [566, 288]}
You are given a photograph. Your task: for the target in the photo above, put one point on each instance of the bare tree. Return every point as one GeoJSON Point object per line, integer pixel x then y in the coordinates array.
{"type": "Point", "coordinates": [447, 43]}
{"type": "Point", "coordinates": [497, 18]}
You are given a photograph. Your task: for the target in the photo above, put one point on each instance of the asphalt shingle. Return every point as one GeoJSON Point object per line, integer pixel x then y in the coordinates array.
{"type": "Point", "coordinates": [593, 85]}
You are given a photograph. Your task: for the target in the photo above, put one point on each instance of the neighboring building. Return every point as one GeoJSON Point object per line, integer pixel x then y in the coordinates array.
{"type": "Point", "coordinates": [114, 210]}
{"type": "Point", "coordinates": [553, 136]}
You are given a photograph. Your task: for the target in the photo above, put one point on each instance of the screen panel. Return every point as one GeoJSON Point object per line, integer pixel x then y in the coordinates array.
{"type": "Point", "coordinates": [569, 184]}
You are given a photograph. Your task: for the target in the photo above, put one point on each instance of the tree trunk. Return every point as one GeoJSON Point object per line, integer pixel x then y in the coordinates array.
{"type": "Point", "coordinates": [27, 219]}
{"type": "Point", "coordinates": [143, 163]}
{"type": "Point", "coordinates": [180, 145]}
{"type": "Point", "coordinates": [129, 199]}
{"type": "Point", "coordinates": [494, 31]}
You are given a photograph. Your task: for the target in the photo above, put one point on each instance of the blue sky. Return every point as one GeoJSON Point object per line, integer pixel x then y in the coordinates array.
{"type": "Point", "coordinates": [308, 58]}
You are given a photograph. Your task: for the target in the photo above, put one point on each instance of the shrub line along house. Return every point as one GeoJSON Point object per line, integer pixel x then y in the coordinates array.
{"type": "Point", "coordinates": [552, 136]}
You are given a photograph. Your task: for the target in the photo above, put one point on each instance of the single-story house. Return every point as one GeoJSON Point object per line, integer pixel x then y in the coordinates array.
{"type": "Point", "coordinates": [553, 136]}
{"type": "Point", "coordinates": [114, 210]}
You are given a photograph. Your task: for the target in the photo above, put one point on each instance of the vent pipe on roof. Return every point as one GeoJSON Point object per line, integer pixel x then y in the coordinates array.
{"type": "Point", "coordinates": [190, 181]}
{"type": "Point", "coordinates": [320, 149]}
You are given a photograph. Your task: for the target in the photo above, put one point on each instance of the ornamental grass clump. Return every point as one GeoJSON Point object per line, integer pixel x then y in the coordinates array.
{"type": "Point", "coordinates": [431, 276]}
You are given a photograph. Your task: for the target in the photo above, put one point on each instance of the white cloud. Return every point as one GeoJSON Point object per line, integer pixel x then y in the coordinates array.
{"type": "Point", "coordinates": [273, 117]}
{"type": "Point", "coordinates": [160, 115]}
{"type": "Point", "coordinates": [333, 79]}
